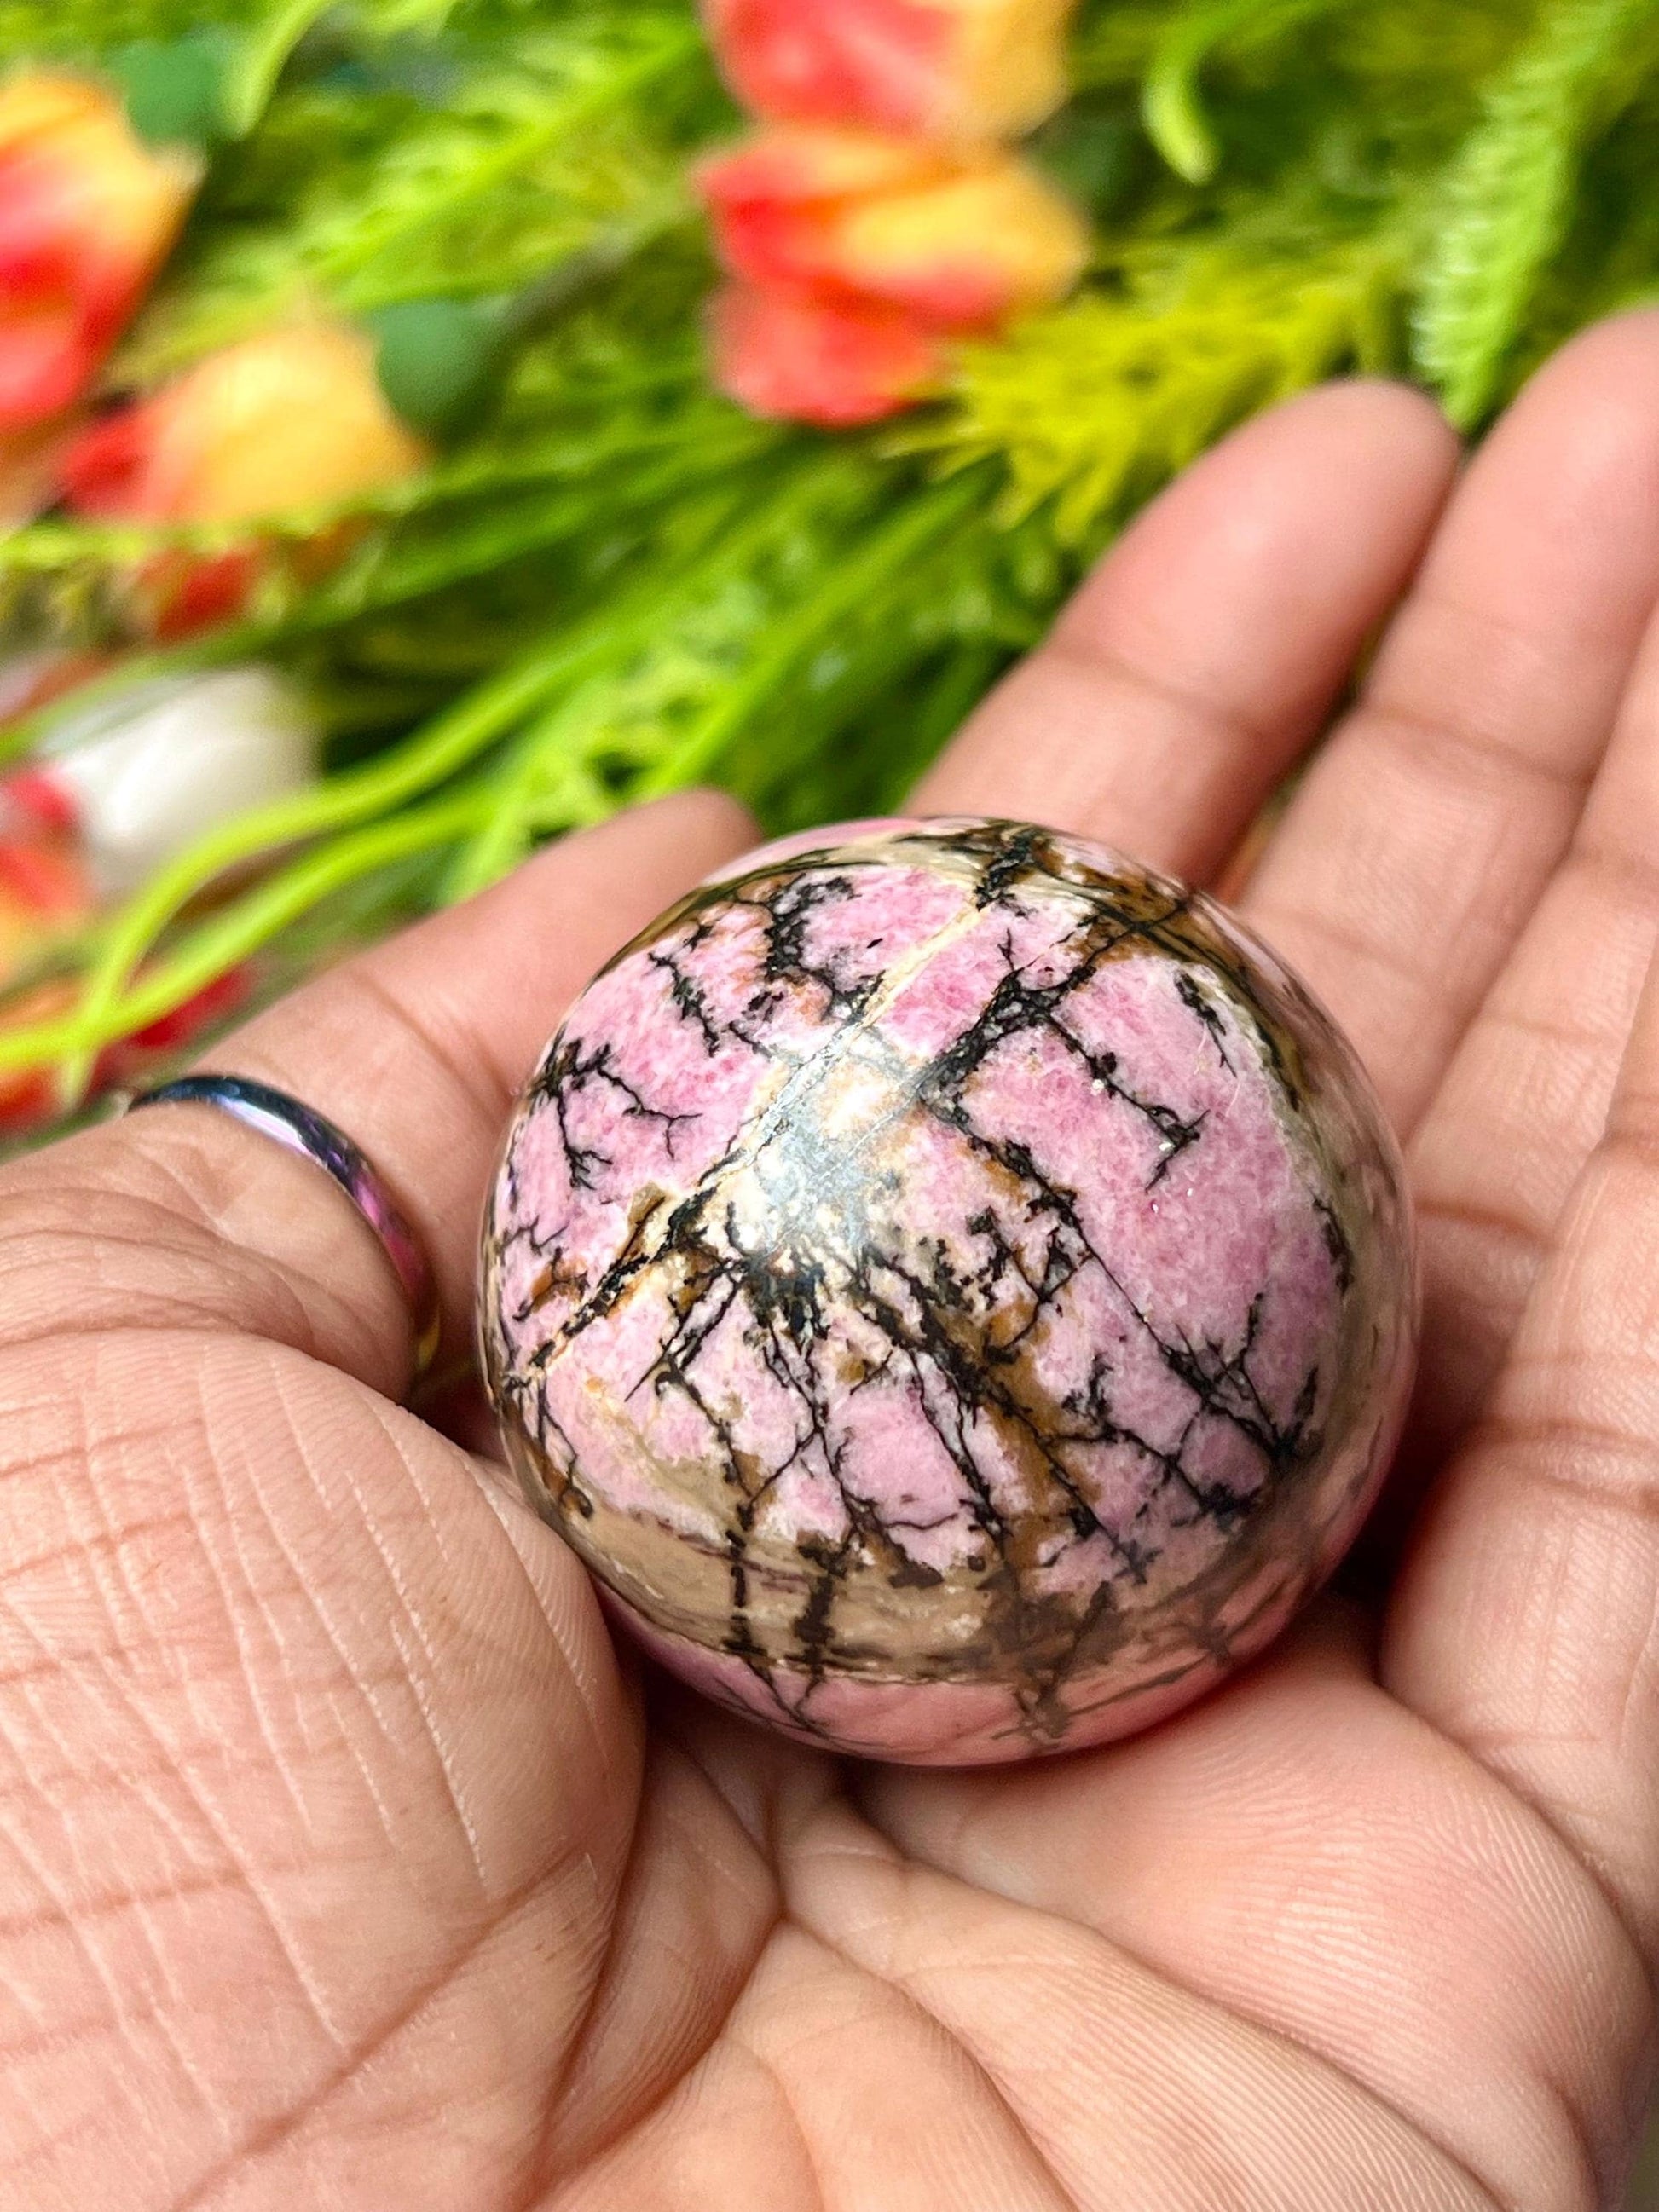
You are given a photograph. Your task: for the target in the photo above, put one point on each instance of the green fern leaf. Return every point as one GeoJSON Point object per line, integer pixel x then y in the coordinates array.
{"type": "Point", "coordinates": [1090, 407]}
{"type": "Point", "coordinates": [1510, 192]}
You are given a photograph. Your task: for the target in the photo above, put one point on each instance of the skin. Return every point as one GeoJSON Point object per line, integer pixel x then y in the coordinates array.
{"type": "Point", "coordinates": [344, 1863]}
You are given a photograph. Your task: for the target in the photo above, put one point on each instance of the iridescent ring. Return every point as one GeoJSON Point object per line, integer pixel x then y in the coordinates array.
{"type": "Point", "coordinates": [300, 1128]}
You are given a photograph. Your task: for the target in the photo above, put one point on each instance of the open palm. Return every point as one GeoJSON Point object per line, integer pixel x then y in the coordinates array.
{"type": "Point", "coordinates": [343, 1864]}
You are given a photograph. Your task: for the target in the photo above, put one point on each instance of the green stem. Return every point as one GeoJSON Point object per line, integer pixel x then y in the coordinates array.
{"type": "Point", "coordinates": [253, 75]}
{"type": "Point", "coordinates": [393, 584]}
{"type": "Point", "coordinates": [652, 609]}
{"type": "Point", "coordinates": [428, 759]}
{"type": "Point", "coordinates": [670, 46]}
{"type": "Point", "coordinates": [499, 843]}
{"type": "Point", "coordinates": [1171, 106]}
{"type": "Point", "coordinates": [77, 1038]}
{"type": "Point", "coordinates": [540, 304]}
{"type": "Point", "coordinates": [918, 522]}
{"type": "Point", "coordinates": [536, 788]}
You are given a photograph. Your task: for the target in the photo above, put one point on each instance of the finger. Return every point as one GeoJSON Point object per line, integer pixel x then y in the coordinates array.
{"type": "Point", "coordinates": [1424, 834]}
{"type": "Point", "coordinates": [1138, 2092]}
{"type": "Point", "coordinates": [1297, 1849]}
{"type": "Point", "coordinates": [1523, 1625]}
{"type": "Point", "coordinates": [1206, 650]}
{"type": "Point", "coordinates": [1526, 1098]}
{"type": "Point", "coordinates": [416, 1050]}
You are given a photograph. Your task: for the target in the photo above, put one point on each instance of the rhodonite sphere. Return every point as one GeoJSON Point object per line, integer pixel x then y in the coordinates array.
{"type": "Point", "coordinates": [952, 1287]}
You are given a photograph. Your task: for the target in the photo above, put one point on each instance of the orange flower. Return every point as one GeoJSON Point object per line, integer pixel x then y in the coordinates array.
{"type": "Point", "coordinates": [835, 362]}
{"type": "Point", "coordinates": [88, 214]}
{"type": "Point", "coordinates": [953, 70]}
{"type": "Point", "coordinates": [291, 419]}
{"type": "Point", "coordinates": [961, 243]}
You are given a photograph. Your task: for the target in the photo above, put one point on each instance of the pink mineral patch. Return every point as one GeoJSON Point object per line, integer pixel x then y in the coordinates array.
{"type": "Point", "coordinates": [952, 1288]}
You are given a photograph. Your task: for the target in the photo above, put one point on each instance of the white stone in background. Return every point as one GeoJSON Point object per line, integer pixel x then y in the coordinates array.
{"type": "Point", "coordinates": [151, 768]}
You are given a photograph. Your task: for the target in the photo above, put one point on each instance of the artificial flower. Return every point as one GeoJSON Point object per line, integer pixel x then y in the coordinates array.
{"type": "Point", "coordinates": [292, 418]}
{"type": "Point", "coordinates": [946, 69]}
{"type": "Point", "coordinates": [835, 362]}
{"type": "Point", "coordinates": [88, 214]}
{"type": "Point", "coordinates": [29, 1101]}
{"type": "Point", "coordinates": [961, 243]}
{"type": "Point", "coordinates": [124, 784]}
{"type": "Point", "coordinates": [137, 775]}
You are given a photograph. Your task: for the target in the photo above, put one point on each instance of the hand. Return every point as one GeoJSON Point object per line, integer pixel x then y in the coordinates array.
{"type": "Point", "coordinates": [340, 1866]}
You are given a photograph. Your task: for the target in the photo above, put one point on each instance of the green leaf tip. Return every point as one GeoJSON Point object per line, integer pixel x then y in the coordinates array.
{"type": "Point", "coordinates": [175, 90]}
{"type": "Point", "coordinates": [1172, 105]}
{"type": "Point", "coordinates": [439, 360]}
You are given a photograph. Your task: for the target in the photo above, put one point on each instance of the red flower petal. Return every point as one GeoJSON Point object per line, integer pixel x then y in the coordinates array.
{"type": "Point", "coordinates": [941, 69]}
{"type": "Point", "coordinates": [43, 879]}
{"type": "Point", "coordinates": [102, 473]}
{"type": "Point", "coordinates": [960, 243]}
{"type": "Point", "coordinates": [213, 1003]}
{"type": "Point", "coordinates": [833, 61]}
{"type": "Point", "coordinates": [87, 216]}
{"type": "Point", "coordinates": [34, 796]}
{"type": "Point", "coordinates": [26, 1099]}
{"type": "Point", "coordinates": [185, 597]}
{"type": "Point", "coordinates": [44, 366]}
{"type": "Point", "coordinates": [830, 362]}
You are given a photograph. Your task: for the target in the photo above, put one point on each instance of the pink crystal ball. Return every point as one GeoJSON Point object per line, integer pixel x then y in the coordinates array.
{"type": "Point", "coordinates": [953, 1288]}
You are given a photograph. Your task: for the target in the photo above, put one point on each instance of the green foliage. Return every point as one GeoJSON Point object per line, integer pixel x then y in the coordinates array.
{"type": "Point", "coordinates": [616, 583]}
{"type": "Point", "coordinates": [404, 174]}
{"type": "Point", "coordinates": [1090, 407]}
{"type": "Point", "coordinates": [1175, 118]}
{"type": "Point", "coordinates": [1509, 199]}
{"type": "Point", "coordinates": [85, 30]}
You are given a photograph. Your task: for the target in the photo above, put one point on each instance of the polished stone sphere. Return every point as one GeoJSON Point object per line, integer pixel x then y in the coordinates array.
{"type": "Point", "coordinates": [953, 1289]}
